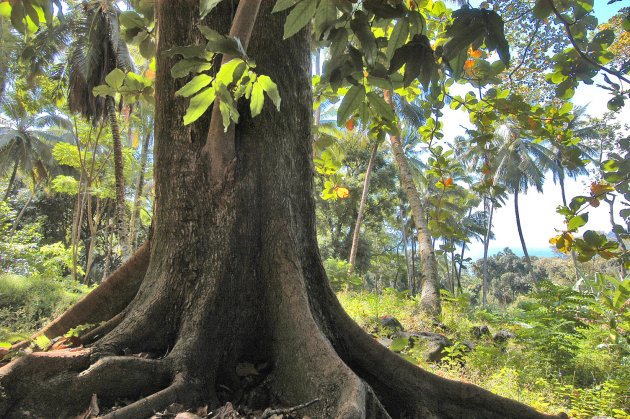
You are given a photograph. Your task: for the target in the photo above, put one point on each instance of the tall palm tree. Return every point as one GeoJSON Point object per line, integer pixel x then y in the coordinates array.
{"type": "Point", "coordinates": [430, 295]}
{"type": "Point", "coordinates": [520, 163]}
{"type": "Point", "coordinates": [97, 50]}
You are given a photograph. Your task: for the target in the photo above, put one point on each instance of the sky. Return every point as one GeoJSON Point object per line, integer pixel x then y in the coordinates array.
{"type": "Point", "coordinates": [539, 219]}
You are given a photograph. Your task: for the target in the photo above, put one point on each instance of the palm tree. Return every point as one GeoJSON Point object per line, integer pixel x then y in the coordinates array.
{"type": "Point", "coordinates": [26, 145]}
{"type": "Point", "coordinates": [520, 163]}
{"type": "Point", "coordinates": [430, 296]}
{"type": "Point", "coordinates": [97, 50]}
{"type": "Point", "coordinates": [26, 142]}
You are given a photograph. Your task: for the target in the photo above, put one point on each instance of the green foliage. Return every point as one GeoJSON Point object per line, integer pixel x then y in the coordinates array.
{"type": "Point", "coordinates": [27, 303]}
{"type": "Point", "coordinates": [340, 276]}
{"type": "Point", "coordinates": [556, 363]}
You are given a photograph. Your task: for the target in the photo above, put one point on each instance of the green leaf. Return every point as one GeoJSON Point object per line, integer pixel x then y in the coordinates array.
{"type": "Point", "coordinates": [185, 67]}
{"type": "Point", "coordinates": [399, 344]}
{"type": "Point", "coordinates": [271, 89]}
{"type": "Point", "coordinates": [189, 51]}
{"type": "Point", "coordinates": [299, 17]}
{"type": "Point", "coordinates": [103, 90]}
{"type": "Point", "coordinates": [626, 24]}
{"type": "Point", "coordinates": [115, 78]}
{"type": "Point", "coordinates": [398, 38]}
{"type": "Point", "coordinates": [257, 99]}
{"type": "Point", "coordinates": [360, 25]}
{"type": "Point", "coordinates": [380, 106]}
{"type": "Point", "coordinates": [195, 85]}
{"type": "Point", "coordinates": [130, 19]}
{"type": "Point", "coordinates": [199, 104]}
{"type": "Point", "coordinates": [351, 101]}
{"type": "Point", "coordinates": [206, 6]}
{"type": "Point", "coordinates": [147, 48]}
{"type": "Point", "coordinates": [5, 9]}
{"type": "Point", "coordinates": [231, 71]}
{"type": "Point", "coordinates": [282, 5]}
{"type": "Point", "coordinates": [542, 9]}
{"type": "Point", "coordinates": [577, 222]}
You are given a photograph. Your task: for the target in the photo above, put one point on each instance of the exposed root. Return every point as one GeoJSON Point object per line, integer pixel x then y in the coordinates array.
{"type": "Point", "coordinates": [270, 412]}
{"type": "Point", "coordinates": [179, 391]}
{"type": "Point", "coordinates": [61, 383]}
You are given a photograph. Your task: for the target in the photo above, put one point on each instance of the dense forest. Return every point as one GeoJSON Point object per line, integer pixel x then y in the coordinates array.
{"type": "Point", "coordinates": [252, 208]}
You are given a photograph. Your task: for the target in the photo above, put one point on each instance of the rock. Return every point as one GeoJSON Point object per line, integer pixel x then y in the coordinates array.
{"type": "Point", "coordinates": [480, 331]}
{"type": "Point", "coordinates": [502, 336]}
{"type": "Point", "coordinates": [435, 344]}
{"type": "Point", "coordinates": [468, 346]}
{"type": "Point", "coordinates": [384, 326]}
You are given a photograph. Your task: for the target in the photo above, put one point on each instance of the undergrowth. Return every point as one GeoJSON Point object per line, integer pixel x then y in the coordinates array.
{"type": "Point", "coordinates": [27, 303]}
{"type": "Point", "coordinates": [555, 363]}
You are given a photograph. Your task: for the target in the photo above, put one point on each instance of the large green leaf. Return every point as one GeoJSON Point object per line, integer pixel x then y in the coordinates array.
{"type": "Point", "coordinates": [271, 89]}
{"type": "Point", "coordinates": [398, 38]}
{"type": "Point", "coordinates": [360, 25]}
{"type": "Point", "coordinates": [206, 6]}
{"type": "Point", "coordinates": [299, 17]}
{"type": "Point", "coordinates": [257, 99]}
{"type": "Point", "coordinates": [195, 85]}
{"type": "Point", "coordinates": [115, 78]}
{"type": "Point", "coordinates": [351, 101]}
{"type": "Point", "coordinates": [199, 104]}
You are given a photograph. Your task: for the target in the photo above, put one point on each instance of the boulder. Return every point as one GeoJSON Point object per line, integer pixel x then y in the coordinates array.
{"type": "Point", "coordinates": [479, 331]}
{"type": "Point", "coordinates": [502, 336]}
{"type": "Point", "coordinates": [384, 326]}
{"type": "Point", "coordinates": [434, 343]}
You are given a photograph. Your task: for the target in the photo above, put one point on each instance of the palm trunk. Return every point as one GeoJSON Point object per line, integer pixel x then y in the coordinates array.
{"type": "Point", "coordinates": [430, 297]}
{"type": "Point", "coordinates": [486, 244]}
{"type": "Point", "coordinates": [135, 213]}
{"type": "Point", "coordinates": [12, 179]}
{"type": "Point", "coordinates": [413, 266]}
{"type": "Point", "coordinates": [119, 176]}
{"type": "Point", "coordinates": [459, 268]}
{"type": "Point", "coordinates": [404, 240]}
{"type": "Point", "coordinates": [520, 236]}
{"type": "Point", "coordinates": [357, 227]}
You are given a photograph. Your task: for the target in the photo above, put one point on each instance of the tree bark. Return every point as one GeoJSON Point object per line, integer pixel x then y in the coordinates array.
{"type": "Point", "coordinates": [364, 194]}
{"type": "Point", "coordinates": [430, 295]}
{"type": "Point", "coordinates": [23, 210]}
{"type": "Point", "coordinates": [520, 236]}
{"type": "Point", "coordinates": [235, 278]}
{"type": "Point", "coordinates": [121, 213]}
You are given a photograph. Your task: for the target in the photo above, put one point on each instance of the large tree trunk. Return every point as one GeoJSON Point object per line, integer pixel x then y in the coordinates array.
{"type": "Point", "coordinates": [235, 283]}
{"type": "Point", "coordinates": [430, 294]}
{"type": "Point", "coordinates": [364, 194]}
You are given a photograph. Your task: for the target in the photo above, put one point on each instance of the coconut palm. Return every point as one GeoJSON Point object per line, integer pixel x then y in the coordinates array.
{"type": "Point", "coordinates": [26, 142]}
{"type": "Point", "coordinates": [520, 163]}
{"type": "Point", "coordinates": [97, 50]}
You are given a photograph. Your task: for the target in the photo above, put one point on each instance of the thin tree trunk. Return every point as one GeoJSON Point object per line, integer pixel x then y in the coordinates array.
{"type": "Point", "coordinates": [12, 179]}
{"type": "Point", "coordinates": [364, 194]}
{"type": "Point", "coordinates": [430, 297]}
{"type": "Point", "coordinates": [459, 268]}
{"type": "Point", "coordinates": [108, 255]}
{"type": "Point", "coordinates": [121, 217]}
{"type": "Point", "coordinates": [135, 213]}
{"type": "Point", "coordinates": [404, 241]}
{"type": "Point", "coordinates": [520, 236]}
{"type": "Point", "coordinates": [413, 266]}
{"type": "Point", "coordinates": [486, 244]}
{"type": "Point", "coordinates": [21, 214]}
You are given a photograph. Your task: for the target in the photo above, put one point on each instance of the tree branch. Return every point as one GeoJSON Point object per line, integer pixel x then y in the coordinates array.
{"type": "Point", "coordinates": [567, 26]}
{"type": "Point", "coordinates": [219, 143]}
